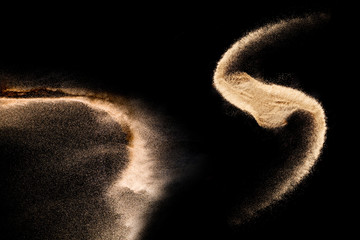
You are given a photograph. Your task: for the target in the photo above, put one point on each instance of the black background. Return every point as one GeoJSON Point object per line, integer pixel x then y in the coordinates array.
{"type": "Point", "coordinates": [166, 55]}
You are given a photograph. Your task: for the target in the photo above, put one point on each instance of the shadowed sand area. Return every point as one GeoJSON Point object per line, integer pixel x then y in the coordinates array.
{"type": "Point", "coordinates": [58, 159]}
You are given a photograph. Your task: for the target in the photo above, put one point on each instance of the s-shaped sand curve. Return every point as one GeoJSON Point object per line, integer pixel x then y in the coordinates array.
{"type": "Point", "coordinates": [271, 105]}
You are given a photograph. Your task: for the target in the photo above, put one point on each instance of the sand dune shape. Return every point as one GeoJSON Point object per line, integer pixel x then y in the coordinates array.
{"type": "Point", "coordinates": [143, 180]}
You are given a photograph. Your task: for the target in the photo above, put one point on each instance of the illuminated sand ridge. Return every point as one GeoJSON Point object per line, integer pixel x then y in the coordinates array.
{"type": "Point", "coordinates": [144, 178]}
{"type": "Point", "coordinates": [271, 105]}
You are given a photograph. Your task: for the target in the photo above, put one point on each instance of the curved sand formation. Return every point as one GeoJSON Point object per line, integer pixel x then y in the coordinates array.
{"type": "Point", "coordinates": [272, 105]}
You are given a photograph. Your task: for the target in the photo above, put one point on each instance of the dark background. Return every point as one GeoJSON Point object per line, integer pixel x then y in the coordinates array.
{"type": "Point", "coordinates": [166, 56]}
